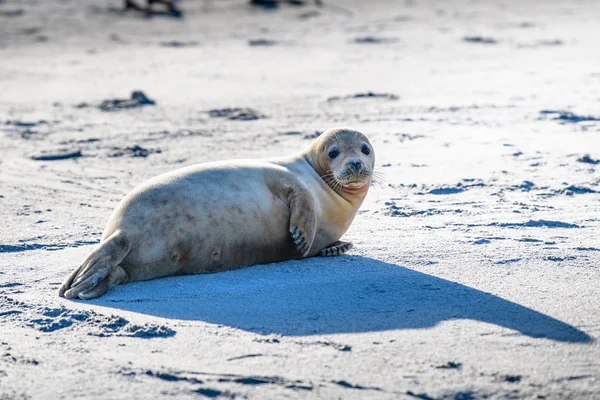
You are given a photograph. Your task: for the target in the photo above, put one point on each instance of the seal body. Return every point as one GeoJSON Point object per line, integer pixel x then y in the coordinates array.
{"type": "Point", "coordinates": [224, 215]}
{"type": "Point", "coordinates": [219, 216]}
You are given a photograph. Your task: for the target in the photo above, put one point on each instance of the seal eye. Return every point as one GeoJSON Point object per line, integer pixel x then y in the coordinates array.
{"type": "Point", "coordinates": [334, 153]}
{"type": "Point", "coordinates": [365, 150]}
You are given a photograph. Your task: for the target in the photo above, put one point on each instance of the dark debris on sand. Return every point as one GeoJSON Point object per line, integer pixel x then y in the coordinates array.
{"type": "Point", "coordinates": [236, 114]}
{"type": "Point", "coordinates": [480, 40]}
{"type": "Point", "coordinates": [305, 135]}
{"type": "Point", "coordinates": [450, 365]}
{"type": "Point", "coordinates": [365, 95]}
{"type": "Point", "coordinates": [588, 160]}
{"type": "Point", "coordinates": [137, 99]}
{"type": "Point", "coordinates": [374, 40]}
{"type": "Point", "coordinates": [266, 4]}
{"type": "Point", "coordinates": [565, 117]}
{"type": "Point", "coordinates": [510, 378]}
{"type": "Point", "coordinates": [170, 9]}
{"type": "Point", "coordinates": [273, 4]}
{"type": "Point", "coordinates": [179, 44]}
{"type": "Point", "coordinates": [348, 385]}
{"type": "Point", "coordinates": [133, 151]}
{"type": "Point", "coordinates": [22, 124]}
{"type": "Point", "coordinates": [12, 13]}
{"type": "Point", "coordinates": [574, 189]}
{"type": "Point", "coordinates": [261, 42]}
{"type": "Point", "coordinates": [213, 393]}
{"type": "Point", "coordinates": [58, 155]}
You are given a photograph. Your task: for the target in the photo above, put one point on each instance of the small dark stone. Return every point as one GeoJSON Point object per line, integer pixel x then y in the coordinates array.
{"type": "Point", "coordinates": [138, 99]}
{"type": "Point", "coordinates": [588, 160]}
{"type": "Point", "coordinates": [568, 116]}
{"type": "Point", "coordinates": [261, 42]}
{"type": "Point", "coordinates": [373, 40]}
{"type": "Point", "coordinates": [451, 364]}
{"type": "Point", "coordinates": [512, 378]}
{"type": "Point", "coordinates": [134, 151]}
{"type": "Point", "coordinates": [236, 114]}
{"type": "Point", "coordinates": [266, 4]}
{"type": "Point", "coordinates": [206, 392]}
{"type": "Point", "coordinates": [480, 39]}
{"type": "Point", "coordinates": [177, 43]}
{"type": "Point", "coordinates": [12, 13]}
{"type": "Point", "coordinates": [58, 156]}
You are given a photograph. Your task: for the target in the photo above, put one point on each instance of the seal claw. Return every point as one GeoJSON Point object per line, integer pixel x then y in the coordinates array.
{"type": "Point", "coordinates": [336, 249]}
{"type": "Point", "coordinates": [300, 242]}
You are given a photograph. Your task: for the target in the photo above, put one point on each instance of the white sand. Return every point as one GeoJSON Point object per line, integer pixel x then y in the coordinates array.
{"type": "Point", "coordinates": [475, 270]}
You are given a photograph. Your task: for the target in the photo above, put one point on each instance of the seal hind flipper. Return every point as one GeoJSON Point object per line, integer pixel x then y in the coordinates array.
{"type": "Point", "coordinates": [97, 267]}
{"type": "Point", "coordinates": [114, 278]}
{"type": "Point", "coordinates": [336, 249]}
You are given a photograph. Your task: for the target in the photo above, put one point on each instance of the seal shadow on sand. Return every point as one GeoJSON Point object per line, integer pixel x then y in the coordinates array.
{"type": "Point", "coordinates": [327, 296]}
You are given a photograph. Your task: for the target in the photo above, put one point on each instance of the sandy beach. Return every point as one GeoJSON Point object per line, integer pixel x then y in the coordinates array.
{"type": "Point", "coordinates": [475, 269]}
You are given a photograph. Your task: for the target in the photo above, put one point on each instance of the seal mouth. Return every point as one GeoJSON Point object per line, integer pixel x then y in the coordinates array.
{"type": "Point", "coordinates": [349, 182]}
{"type": "Point", "coordinates": [355, 187]}
{"type": "Point", "coordinates": [354, 184]}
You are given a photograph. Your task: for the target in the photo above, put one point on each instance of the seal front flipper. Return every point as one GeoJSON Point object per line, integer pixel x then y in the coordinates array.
{"type": "Point", "coordinates": [303, 219]}
{"type": "Point", "coordinates": [97, 273]}
{"type": "Point", "coordinates": [336, 249]}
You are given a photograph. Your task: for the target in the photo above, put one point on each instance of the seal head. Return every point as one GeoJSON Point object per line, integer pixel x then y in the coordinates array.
{"type": "Point", "coordinates": [344, 158]}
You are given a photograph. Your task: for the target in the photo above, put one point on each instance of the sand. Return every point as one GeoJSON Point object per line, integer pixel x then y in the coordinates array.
{"type": "Point", "coordinates": [475, 268]}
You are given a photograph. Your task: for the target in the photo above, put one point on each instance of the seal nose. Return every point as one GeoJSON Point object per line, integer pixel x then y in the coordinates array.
{"type": "Point", "coordinates": [355, 166]}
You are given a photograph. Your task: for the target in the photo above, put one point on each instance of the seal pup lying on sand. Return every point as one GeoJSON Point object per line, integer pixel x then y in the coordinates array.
{"type": "Point", "coordinates": [224, 215]}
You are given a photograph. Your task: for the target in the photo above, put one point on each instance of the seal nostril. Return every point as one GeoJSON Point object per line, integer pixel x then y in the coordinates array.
{"type": "Point", "coordinates": [355, 165]}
